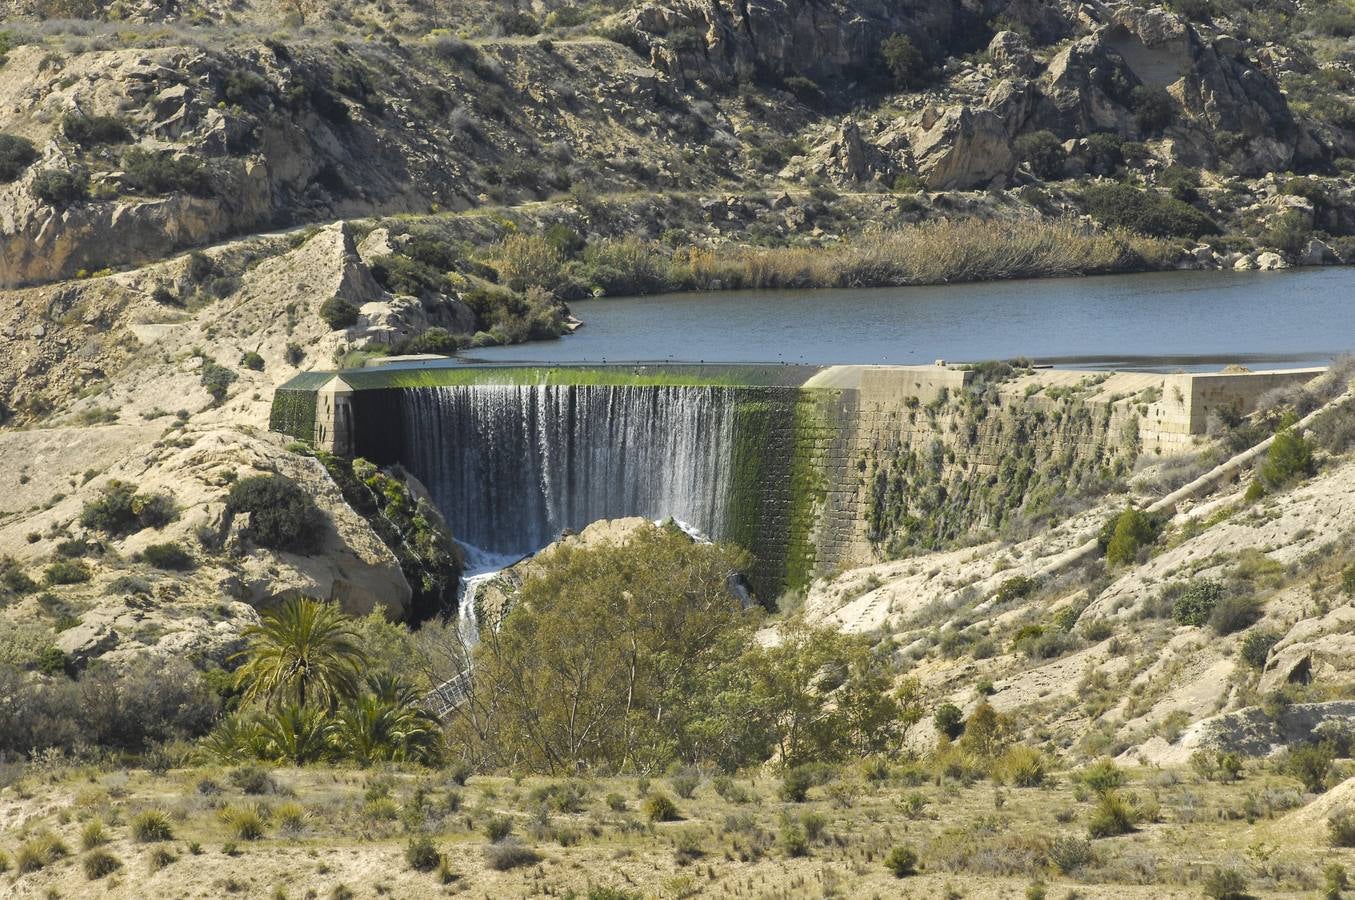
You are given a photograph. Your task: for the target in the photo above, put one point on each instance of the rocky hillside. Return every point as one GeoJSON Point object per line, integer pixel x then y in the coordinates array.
{"type": "Point", "coordinates": [1223, 628]}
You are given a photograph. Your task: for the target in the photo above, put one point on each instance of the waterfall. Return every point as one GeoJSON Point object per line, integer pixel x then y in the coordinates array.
{"type": "Point", "coordinates": [511, 466]}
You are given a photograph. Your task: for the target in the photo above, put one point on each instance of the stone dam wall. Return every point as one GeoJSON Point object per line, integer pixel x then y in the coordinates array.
{"type": "Point", "coordinates": [810, 469]}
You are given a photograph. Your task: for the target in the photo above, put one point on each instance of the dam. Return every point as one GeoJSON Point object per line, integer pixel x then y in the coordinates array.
{"type": "Point", "coordinates": [809, 468]}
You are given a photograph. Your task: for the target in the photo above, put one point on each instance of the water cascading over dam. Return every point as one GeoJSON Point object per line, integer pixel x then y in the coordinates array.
{"type": "Point", "coordinates": [511, 466]}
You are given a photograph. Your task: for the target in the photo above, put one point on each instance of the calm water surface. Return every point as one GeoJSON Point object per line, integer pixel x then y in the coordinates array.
{"type": "Point", "coordinates": [1175, 320]}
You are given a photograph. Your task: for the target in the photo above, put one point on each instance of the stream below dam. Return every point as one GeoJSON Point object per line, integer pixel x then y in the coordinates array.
{"type": "Point", "coordinates": [1165, 321]}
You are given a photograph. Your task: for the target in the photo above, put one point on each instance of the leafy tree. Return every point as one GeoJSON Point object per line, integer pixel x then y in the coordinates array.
{"type": "Point", "coordinates": [905, 62]}
{"type": "Point", "coordinates": [302, 652]}
{"type": "Point", "coordinates": [609, 658]}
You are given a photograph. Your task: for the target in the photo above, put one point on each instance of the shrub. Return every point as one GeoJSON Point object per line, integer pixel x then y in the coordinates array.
{"type": "Point", "coordinates": [1071, 854]}
{"type": "Point", "coordinates": [1015, 588]}
{"type": "Point", "coordinates": [422, 854]}
{"type": "Point", "coordinates": [39, 851]}
{"type": "Point", "coordinates": [338, 313]}
{"type": "Point", "coordinates": [616, 803]}
{"type": "Point", "coordinates": [52, 661]}
{"type": "Point", "coordinates": [1310, 764]}
{"type": "Point", "coordinates": [60, 187]}
{"type": "Point", "coordinates": [1196, 603]}
{"type": "Point", "coordinates": [1102, 776]}
{"type": "Point", "coordinates": [1113, 816]}
{"type": "Point", "coordinates": [1153, 108]}
{"type": "Point", "coordinates": [1132, 530]}
{"type": "Point", "coordinates": [510, 853]}
{"type": "Point", "coordinates": [1341, 828]}
{"type": "Point", "coordinates": [16, 154]}
{"type": "Point", "coordinates": [903, 60]}
{"type": "Point", "coordinates": [149, 172]}
{"type": "Point", "coordinates": [793, 841]}
{"type": "Point", "coordinates": [1226, 884]}
{"type": "Point", "coordinates": [216, 378]}
{"type": "Point", "coordinates": [252, 361]}
{"type": "Point", "coordinates": [245, 823]}
{"type": "Point", "coordinates": [67, 571]}
{"type": "Point", "coordinates": [498, 827]}
{"type": "Point", "coordinates": [1151, 214]}
{"type": "Point", "coordinates": [290, 817]}
{"type": "Point", "coordinates": [1289, 459]}
{"type": "Point", "coordinates": [685, 783]}
{"type": "Point", "coordinates": [1043, 152]}
{"type": "Point", "coordinates": [168, 556]}
{"type": "Point", "coordinates": [93, 834]}
{"type": "Point", "coordinates": [1021, 766]}
{"type": "Point", "coordinates": [1233, 614]}
{"type": "Point", "coordinates": [901, 861]}
{"type": "Point", "coordinates": [281, 515]}
{"type": "Point", "coordinates": [1256, 645]}
{"type": "Point", "coordinates": [659, 808]}
{"type": "Point", "coordinates": [90, 131]}
{"type": "Point", "coordinates": [795, 784]}
{"type": "Point", "coordinates": [152, 825]}
{"type": "Point", "coordinates": [99, 863]}
{"type": "Point", "coordinates": [949, 720]}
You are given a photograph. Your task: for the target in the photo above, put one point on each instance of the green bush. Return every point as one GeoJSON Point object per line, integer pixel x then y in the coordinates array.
{"type": "Point", "coordinates": [1232, 614]}
{"type": "Point", "coordinates": [149, 172]}
{"type": "Point", "coordinates": [216, 379]}
{"type": "Point", "coordinates": [1289, 460]}
{"type": "Point", "coordinates": [90, 131]}
{"type": "Point", "coordinates": [1148, 213]}
{"type": "Point", "coordinates": [245, 823]}
{"type": "Point", "coordinates": [168, 556]}
{"type": "Point", "coordinates": [252, 361]}
{"type": "Point", "coordinates": [52, 661]}
{"type": "Point", "coordinates": [119, 510]}
{"type": "Point", "coordinates": [1255, 647]}
{"type": "Point", "coordinates": [1226, 884]}
{"type": "Point", "coordinates": [99, 863]}
{"type": "Point", "coordinates": [422, 854]}
{"type": "Point", "coordinates": [901, 861]}
{"type": "Point", "coordinates": [39, 851]}
{"type": "Point", "coordinates": [1288, 233]}
{"type": "Point", "coordinates": [61, 187]}
{"type": "Point", "coordinates": [510, 853]}
{"type": "Point", "coordinates": [281, 515]}
{"type": "Point", "coordinates": [338, 313]}
{"type": "Point", "coordinates": [1310, 764]}
{"type": "Point", "coordinates": [659, 808]}
{"type": "Point", "coordinates": [793, 841]}
{"type": "Point", "coordinates": [685, 783]}
{"type": "Point", "coordinates": [1341, 829]}
{"type": "Point", "coordinates": [14, 579]}
{"type": "Point", "coordinates": [904, 61]}
{"type": "Point", "coordinates": [1129, 532]}
{"type": "Point", "coordinates": [1103, 776]}
{"type": "Point", "coordinates": [152, 825]}
{"type": "Point", "coordinates": [795, 784]}
{"type": "Point", "coordinates": [1015, 588]}
{"type": "Point", "coordinates": [949, 720]}
{"type": "Point", "coordinates": [1113, 816]}
{"type": "Point", "coordinates": [1197, 602]}
{"type": "Point", "coordinates": [1154, 109]}
{"type": "Point", "coordinates": [16, 154]}
{"type": "Point", "coordinates": [67, 571]}
{"type": "Point", "coordinates": [401, 274]}
{"type": "Point", "coordinates": [1043, 152]}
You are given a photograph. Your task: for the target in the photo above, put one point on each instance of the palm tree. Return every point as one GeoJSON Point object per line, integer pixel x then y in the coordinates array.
{"type": "Point", "coordinates": [303, 652]}
{"type": "Point", "coordinates": [388, 723]}
{"type": "Point", "coordinates": [296, 734]}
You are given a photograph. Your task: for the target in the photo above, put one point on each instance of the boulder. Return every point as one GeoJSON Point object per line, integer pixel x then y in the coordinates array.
{"type": "Point", "coordinates": [1010, 54]}
{"type": "Point", "coordinates": [964, 148]}
{"type": "Point", "coordinates": [1271, 262]}
{"type": "Point", "coordinates": [1318, 253]}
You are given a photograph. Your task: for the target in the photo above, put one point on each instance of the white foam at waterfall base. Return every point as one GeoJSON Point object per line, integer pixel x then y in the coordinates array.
{"type": "Point", "coordinates": [481, 566]}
